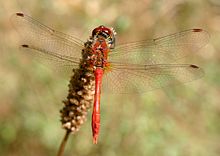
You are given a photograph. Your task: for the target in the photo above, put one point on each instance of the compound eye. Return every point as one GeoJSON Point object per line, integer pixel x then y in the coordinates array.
{"type": "Point", "coordinates": [97, 30]}
{"type": "Point", "coordinates": [94, 32]}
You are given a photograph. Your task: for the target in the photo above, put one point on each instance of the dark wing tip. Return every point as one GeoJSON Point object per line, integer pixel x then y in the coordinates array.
{"type": "Point", "coordinates": [20, 14]}
{"type": "Point", "coordinates": [197, 30]}
{"type": "Point", "coordinates": [200, 72]}
{"type": "Point", "coordinates": [193, 66]}
{"type": "Point", "coordinates": [25, 46]}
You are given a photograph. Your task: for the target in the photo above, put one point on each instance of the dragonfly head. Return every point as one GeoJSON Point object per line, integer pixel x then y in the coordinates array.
{"type": "Point", "coordinates": [107, 33]}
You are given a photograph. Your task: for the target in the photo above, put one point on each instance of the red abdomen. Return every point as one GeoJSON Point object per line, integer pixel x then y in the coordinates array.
{"type": "Point", "coordinates": [96, 108]}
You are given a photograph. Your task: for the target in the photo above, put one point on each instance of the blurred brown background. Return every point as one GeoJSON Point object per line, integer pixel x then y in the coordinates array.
{"type": "Point", "coordinates": [174, 121]}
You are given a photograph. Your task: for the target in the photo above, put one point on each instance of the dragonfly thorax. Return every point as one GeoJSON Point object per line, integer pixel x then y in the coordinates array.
{"type": "Point", "coordinates": [95, 53]}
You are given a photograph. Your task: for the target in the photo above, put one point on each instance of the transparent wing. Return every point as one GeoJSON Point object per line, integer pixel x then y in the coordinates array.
{"type": "Point", "coordinates": [47, 43]}
{"type": "Point", "coordinates": [124, 78]}
{"type": "Point", "coordinates": [161, 50]}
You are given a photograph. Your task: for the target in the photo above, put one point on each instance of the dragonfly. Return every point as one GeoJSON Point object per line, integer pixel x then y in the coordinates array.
{"type": "Point", "coordinates": [134, 67]}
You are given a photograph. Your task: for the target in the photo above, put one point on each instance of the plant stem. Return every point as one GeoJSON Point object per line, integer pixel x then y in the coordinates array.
{"type": "Point", "coordinates": [63, 143]}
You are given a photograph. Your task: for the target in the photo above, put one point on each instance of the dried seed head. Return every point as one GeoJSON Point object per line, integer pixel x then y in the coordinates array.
{"type": "Point", "coordinates": [80, 92]}
{"type": "Point", "coordinates": [67, 125]}
{"type": "Point", "coordinates": [71, 113]}
{"type": "Point", "coordinates": [74, 101]}
{"type": "Point", "coordinates": [80, 97]}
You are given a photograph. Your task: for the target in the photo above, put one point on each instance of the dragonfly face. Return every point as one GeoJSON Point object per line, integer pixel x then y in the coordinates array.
{"type": "Point", "coordinates": [107, 33]}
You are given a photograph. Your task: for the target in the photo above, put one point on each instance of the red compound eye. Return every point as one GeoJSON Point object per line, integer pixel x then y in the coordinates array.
{"type": "Point", "coordinates": [102, 29]}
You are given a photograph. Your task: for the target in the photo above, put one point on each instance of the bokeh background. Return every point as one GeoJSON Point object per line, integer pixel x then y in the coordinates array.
{"type": "Point", "coordinates": [174, 121]}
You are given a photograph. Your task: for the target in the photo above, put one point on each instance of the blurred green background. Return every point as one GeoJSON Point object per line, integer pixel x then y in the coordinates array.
{"type": "Point", "coordinates": [175, 121]}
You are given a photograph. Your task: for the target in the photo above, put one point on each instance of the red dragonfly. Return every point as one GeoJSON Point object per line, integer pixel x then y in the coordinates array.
{"type": "Point", "coordinates": [127, 68]}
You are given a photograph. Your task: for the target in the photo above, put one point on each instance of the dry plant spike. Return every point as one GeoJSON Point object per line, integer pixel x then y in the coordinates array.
{"type": "Point", "coordinates": [80, 96]}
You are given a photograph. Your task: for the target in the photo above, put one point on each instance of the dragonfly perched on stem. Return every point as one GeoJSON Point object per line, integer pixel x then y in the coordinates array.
{"type": "Point", "coordinates": [127, 68]}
